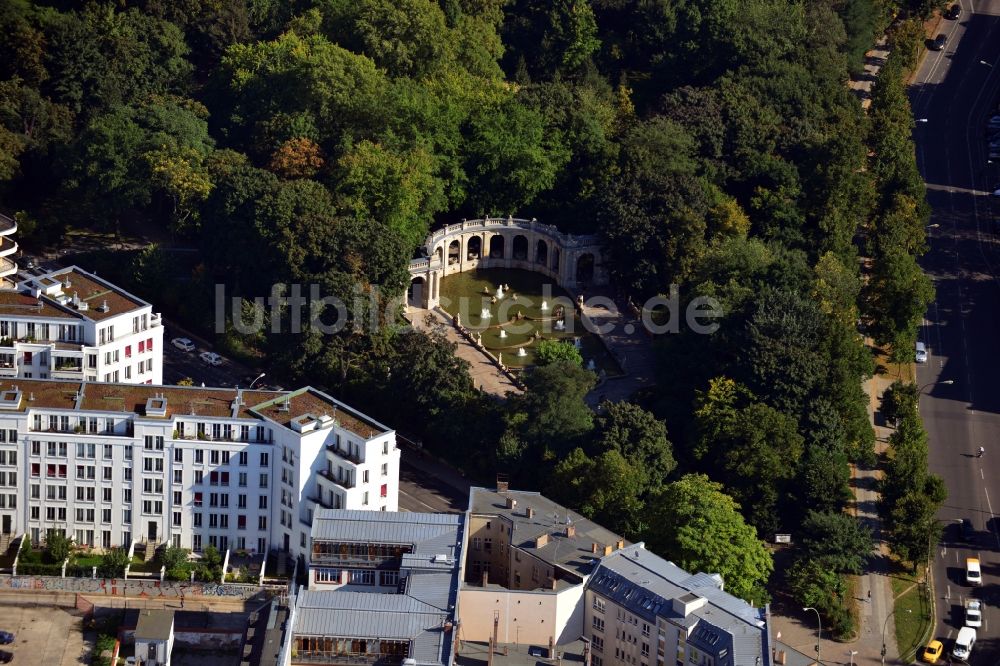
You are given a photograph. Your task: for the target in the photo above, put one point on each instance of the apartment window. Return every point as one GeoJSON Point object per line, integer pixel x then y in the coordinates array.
{"type": "Point", "coordinates": [199, 477]}
{"type": "Point", "coordinates": [488, 545]}
{"type": "Point", "coordinates": [179, 455]}
{"type": "Point", "coordinates": [264, 459]}
{"type": "Point", "coordinates": [142, 346]}
{"type": "Point", "coordinates": [105, 515]}
{"type": "Point", "coordinates": [224, 521]}
{"type": "Point", "coordinates": [197, 519]}
{"type": "Point", "coordinates": [127, 495]}
{"type": "Point", "coordinates": [597, 642]}
{"type": "Point", "coordinates": [262, 523]}
{"type": "Point", "coordinates": [364, 498]}
{"type": "Point", "coordinates": [106, 472]}
{"type": "Point", "coordinates": [388, 578]}
{"type": "Point", "coordinates": [178, 476]}
{"type": "Point", "coordinates": [384, 492]}
{"type": "Point", "coordinates": [128, 351]}
{"type": "Point", "coordinates": [105, 494]}
{"type": "Point", "coordinates": [362, 577]}
{"type": "Point", "coordinates": [214, 455]}
{"type": "Point", "coordinates": [327, 575]}
{"type": "Point", "coordinates": [243, 457]}
{"type": "Point", "coordinates": [598, 623]}
{"type": "Point", "coordinates": [241, 501]}
{"type": "Point", "coordinates": [645, 649]}
{"type": "Point", "coordinates": [199, 456]}
{"type": "Point", "coordinates": [108, 452]}
{"type": "Point", "coordinates": [197, 499]}
{"type": "Point", "coordinates": [126, 516]}
{"type": "Point", "coordinates": [241, 522]}
{"type": "Point", "coordinates": [598, 604]}
{"type": "Point", "coordinates": [149, 346]}
{"type": "Point", "coordinates": [243, 480]}
{"type": "Point", "coordinates": [645, 629]}
{"type": "Point", "coordinates": [477, 543]}
{"type": "Point", "coordinates": [128, 448]}
{"type": "Point", "coordinates": [364, 476]}
{"type": "Point", "coordinates": [262, 502]}
{"type": "Point", "coordinates": [263, 481]}
{"type": "Point", "coordinates": [177, 497]}
{"type": "Point", "coordinates": [196, 543]}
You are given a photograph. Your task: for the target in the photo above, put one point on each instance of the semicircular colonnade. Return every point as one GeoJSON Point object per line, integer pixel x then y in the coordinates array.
{"type": "Point", "coordinates": [572, 261]}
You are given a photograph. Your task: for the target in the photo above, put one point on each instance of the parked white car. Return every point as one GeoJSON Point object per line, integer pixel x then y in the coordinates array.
{"type": "Point", "coordinates": [183, 344]}
{"type": "Point", "coordinates": [211, 358]}
{"type": "Point", "coordinates": [973, 613]}
{"type": "Point", "coordinates": [921, 353]}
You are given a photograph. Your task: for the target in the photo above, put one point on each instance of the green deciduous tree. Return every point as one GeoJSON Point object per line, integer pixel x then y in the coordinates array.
{"type": "Point", "coordinates": [113, 563]}
{"type": "Point", "coordinates": [694, 523]}
{"type": "Point", "coordinates": [555, 351]}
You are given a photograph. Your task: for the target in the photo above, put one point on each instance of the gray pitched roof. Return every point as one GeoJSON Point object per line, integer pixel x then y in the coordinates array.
{"type": "Point", "coordinates": [432, 533]}
{"type": "Point", "coordinates": [575, 553]}
{"type": "Point", "coordinates": [154, 625]}
{"type": "Point", "coordinates": [427, 603]}
{"type": "Point", "coordinates": [646, 585]}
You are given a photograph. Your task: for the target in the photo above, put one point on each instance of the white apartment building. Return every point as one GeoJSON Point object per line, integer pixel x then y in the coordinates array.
{"type": "Point", "coordinates": [70, 324]}
{"type": "Point", "coordinates": [115, 463]}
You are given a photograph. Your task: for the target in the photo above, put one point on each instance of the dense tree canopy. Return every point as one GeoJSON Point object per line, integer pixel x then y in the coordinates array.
{"type": "Point", "coordinates": [710, 144]}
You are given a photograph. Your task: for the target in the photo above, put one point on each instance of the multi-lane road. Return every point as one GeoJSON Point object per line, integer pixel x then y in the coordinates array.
{"type": "Point", "coordinates": [954, 93]}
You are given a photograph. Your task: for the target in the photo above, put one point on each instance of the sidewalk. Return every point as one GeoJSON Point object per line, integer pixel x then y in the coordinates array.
{"type": "Point", "coordinates": [800, 631]}
{"type": "Point", "coordinates": [484, 374]}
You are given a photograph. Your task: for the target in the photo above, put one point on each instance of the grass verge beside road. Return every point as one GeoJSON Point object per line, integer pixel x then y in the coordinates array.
{"type": "Point", "coordinates": [913, 614]}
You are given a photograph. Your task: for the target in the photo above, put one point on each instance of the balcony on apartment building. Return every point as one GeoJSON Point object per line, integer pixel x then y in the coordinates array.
{"type": "Point", "coordinates": [349, 651]}
{"type": "Point", "coordinates": [340, 478]}
{"type": "Point", "coordinates": [371, 554]}
{"type": "Point", "coordinates": [67, 367]}
{"type": "Point", "coordinates": [344, 453]}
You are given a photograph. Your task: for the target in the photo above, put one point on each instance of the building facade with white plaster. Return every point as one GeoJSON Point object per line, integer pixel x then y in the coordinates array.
{"type": "Point", "coordinates": [111, 464]}
{"type": "Point", "coordinates": [71, 324]}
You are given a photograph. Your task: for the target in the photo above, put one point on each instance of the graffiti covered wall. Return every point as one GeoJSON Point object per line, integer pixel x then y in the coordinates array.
{"type": "Point", "coordinates": [131, 588]}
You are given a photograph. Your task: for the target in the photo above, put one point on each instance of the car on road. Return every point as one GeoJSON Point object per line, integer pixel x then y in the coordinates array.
{"type": "Point", "coordinates": [932, 652]}
{"type": "Point", "coordinates": [996, 190]}
{"type": "Point", "coordinates": [921, 353]}
{"type": "Point", "coordinates": [937, 44]}
{"type": "Point", "coordinates": [211, 358]}
{"type": "Point", "coordinates": [953, 12]}
{"type": "Point", "coordinates": [6, 638]}
{"type": "Point", "coordinates": [973, 571]}
{"type": "Point", "coordinates": [968, 532]}
{"type": "Point", "coordinates": [974, 613]}
{"type": "Point", "coordinates": [963, 643]}
{"type": "Point", "coordinates": [6, 657]}
{"type": "Point", "coordinates": [184, 344]}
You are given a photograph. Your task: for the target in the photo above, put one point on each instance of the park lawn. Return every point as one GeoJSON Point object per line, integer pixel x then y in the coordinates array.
{"type": "Point", "coordinates": [912, 628]}
{"type": "Point", "coordinates": [87, 560]}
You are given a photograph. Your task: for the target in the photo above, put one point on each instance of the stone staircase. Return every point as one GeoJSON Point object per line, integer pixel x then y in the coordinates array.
{"type": "Point", "coordinates": [5, 540]}
{"type": "Point", "coordinates": [149, 552]}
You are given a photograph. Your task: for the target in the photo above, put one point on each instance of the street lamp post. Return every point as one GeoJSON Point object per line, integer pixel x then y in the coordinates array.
{"type": "Point", "coordinates": [947, 382]}
{"type": "Point", "coordinates": [819, 633]}
{"type": "Point", "coordinates": [259, 377]}
{"type": "Point", "coordinates": [884, 625]}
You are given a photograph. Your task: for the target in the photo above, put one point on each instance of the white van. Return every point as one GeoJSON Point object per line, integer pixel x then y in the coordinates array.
{"type": "Point", "coordinates": [963, 644]}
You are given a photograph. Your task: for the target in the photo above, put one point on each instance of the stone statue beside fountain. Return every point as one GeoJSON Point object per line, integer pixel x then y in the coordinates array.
{"type": "Point", "coordinates": [499, 294]}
